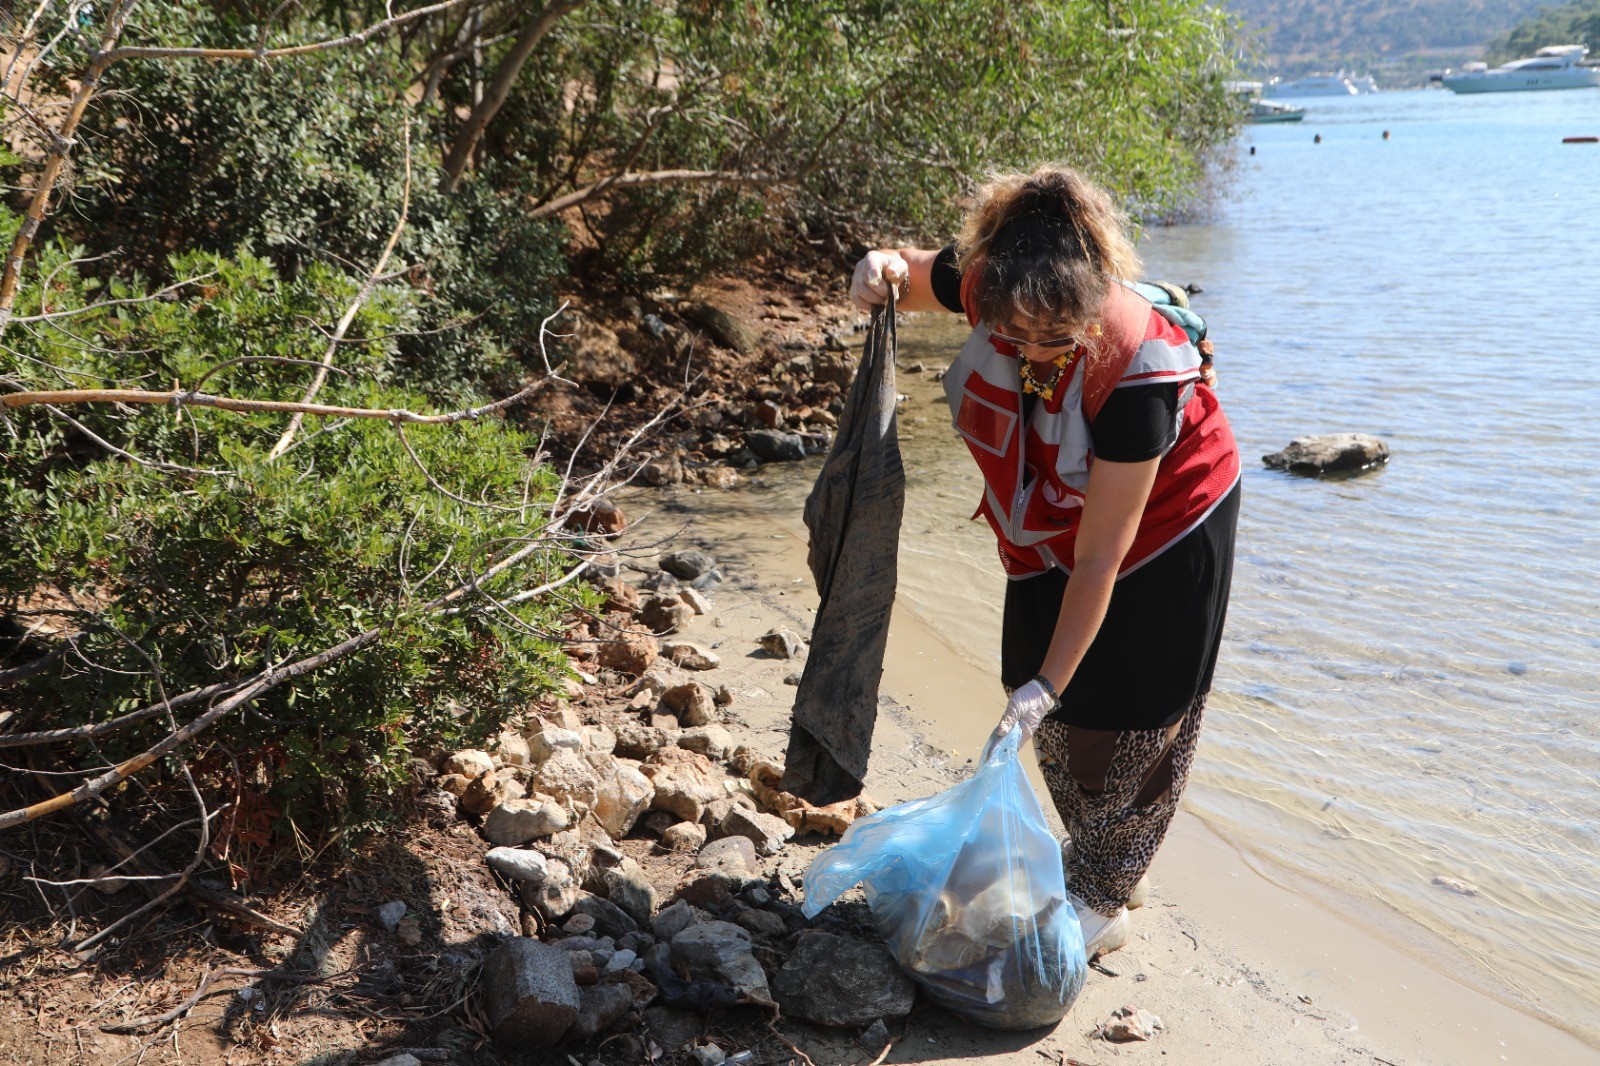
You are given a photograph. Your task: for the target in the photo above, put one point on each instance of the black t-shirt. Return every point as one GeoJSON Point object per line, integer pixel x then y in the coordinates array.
{"type": "Point", "coordinates": [1137, 422]}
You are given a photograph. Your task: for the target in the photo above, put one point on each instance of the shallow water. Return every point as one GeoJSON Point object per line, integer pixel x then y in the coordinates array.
{"type": "Point", "coordinates": [1406, 691]}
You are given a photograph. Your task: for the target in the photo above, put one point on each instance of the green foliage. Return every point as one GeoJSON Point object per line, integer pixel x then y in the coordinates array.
{"type": "Point", "coordinates": [846, 115]}
{"type": "Point", "coordinates": [178, 580]}
{"type": "Point", "coordinates": [1577, 22]}
{"type": "Point", "coordinates": [304, 161]}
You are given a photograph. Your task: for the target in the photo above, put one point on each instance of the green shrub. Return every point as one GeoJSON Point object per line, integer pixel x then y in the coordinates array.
{"type": "Point", "coordinates": [178, 580]}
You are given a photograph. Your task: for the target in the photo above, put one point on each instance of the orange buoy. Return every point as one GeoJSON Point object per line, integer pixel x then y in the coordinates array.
{"type": "Point", "coordinates": [1580, 140]}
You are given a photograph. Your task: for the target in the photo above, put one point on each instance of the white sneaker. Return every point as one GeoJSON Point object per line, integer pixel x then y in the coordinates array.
{"type": "Point", "coordinates": [1101, 935]}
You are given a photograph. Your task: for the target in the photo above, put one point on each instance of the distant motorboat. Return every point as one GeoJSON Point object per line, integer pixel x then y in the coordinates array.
{"type": "Point", "coordinates": [1556, 66]}
{"type": "Point", "coordinates": [1339, 84]}
{"type": "Point", "coordinates": [1264, 111]}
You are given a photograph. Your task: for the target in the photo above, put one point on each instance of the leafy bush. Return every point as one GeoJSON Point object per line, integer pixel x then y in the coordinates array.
{"type": "Point", "coordinates": [177, 580]}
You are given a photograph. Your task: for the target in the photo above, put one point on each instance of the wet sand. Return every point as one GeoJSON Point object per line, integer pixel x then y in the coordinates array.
{"type": "Point", "coordinates": [1241, 963]}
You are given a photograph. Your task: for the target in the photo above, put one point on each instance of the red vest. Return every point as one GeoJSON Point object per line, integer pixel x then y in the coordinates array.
{"type": "Point", "coordinates": [1035, 475]}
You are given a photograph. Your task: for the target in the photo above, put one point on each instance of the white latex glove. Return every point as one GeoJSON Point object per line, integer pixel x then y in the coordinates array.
{"type": "Point", "coordinates": [873, 276]}
{"type": "Point", "coordinates": [1026, 709]}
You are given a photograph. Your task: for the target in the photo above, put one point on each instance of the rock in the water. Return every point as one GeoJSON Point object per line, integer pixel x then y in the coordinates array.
{"type": "Point", "coordinates": [468, 763]}
{"type": "Point", "coordinates": [720, 952]}
{"type": "Point", "coordinates": [1131, 1023]}
{"type": "Point", "coordinates": [530, 997]}
{"type": "Point", "coordinates": [775, 446]}
{"type": "Point", "coordinates": [734, 855]}
{"type": "Point", "coordinates": [599, 1008]}
{"type": "Point", "coordinates": [690, 656]}
{"type": "Point", "coordinates": [517, 864]}
{"type": "Point", "coordinates": [781, 643]}
{"type": "Point", "coordinates": [712, 741]}
{"type": "Point", "coordinates": [683, 836]}
{"type": "Point", "coordinates": [832, 980]}
{"type": "Point", "coordinates": [629, 888]}
{"type": "Point", "coordinates": [767, 832]}
{"type": "Point", "coordinates": [684, 782]}
{"type": "Point", "coordinates": [1332, 453]}
{"type": "Point", "coordinates": [687, 564]}
{"type": "Point", "coordinates": [666, 613]}
{"type": "Point", "coordinates": [609, 919]}
{"type": "Point", "coordinates": [517, 821]}
{"type": "Point", "coordinates": [628, 652]}
{"type": "Point", "coordinates": [389, 914]}
{"type": "Point", "coordinates": [624, 795]}
{"type": "Point", "coordinates": [1456, 885]}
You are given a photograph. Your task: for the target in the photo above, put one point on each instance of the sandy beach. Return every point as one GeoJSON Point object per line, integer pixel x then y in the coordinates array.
{"type": "Point", "coordinates": [1241, 963]}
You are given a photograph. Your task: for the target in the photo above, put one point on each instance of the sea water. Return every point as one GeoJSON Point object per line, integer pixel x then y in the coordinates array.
{"type": "Point", "coordinates": [1406, 708]}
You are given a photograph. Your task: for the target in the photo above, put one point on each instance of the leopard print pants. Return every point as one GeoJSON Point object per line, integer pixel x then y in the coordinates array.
{"type": "Point", "coordinates": [1116, 793]}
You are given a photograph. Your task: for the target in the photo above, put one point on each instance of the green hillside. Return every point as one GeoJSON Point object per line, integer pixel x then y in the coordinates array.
{"type": "Point", "coordinates": [1398, 42]}
{"type": "Point", "coordinates": [1574, 23]}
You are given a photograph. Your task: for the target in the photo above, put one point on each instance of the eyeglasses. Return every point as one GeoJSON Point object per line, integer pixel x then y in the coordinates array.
{"type": "Point", "coordinates": [1054, 342]}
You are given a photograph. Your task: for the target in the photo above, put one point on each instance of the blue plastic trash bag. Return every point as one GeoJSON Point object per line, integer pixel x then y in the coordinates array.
{"type": "Point", "coordinates": [969, 895]}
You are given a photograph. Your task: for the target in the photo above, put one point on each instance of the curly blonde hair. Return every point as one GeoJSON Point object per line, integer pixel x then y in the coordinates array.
{"type": "Point", "coordinates": [1045, 244]}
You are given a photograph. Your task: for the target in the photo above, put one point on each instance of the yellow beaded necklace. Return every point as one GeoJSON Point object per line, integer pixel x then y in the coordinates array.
{"type": "Point", "coordinates": [1047, 389]}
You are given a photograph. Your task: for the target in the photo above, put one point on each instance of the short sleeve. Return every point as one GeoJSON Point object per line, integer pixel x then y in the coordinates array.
{"type": "Point", "coordinates": [946, 279]}
{"type": "Point", "coordinates": [1137, 423]}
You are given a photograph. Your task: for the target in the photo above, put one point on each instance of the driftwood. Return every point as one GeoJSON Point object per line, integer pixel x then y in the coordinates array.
{"type": "Point", "coordinates": [853, 514]}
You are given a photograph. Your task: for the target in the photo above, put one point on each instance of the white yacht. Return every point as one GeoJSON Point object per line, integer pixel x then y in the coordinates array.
{"type": "Point", "coordinates": [1340, 84]}
{"type": "Point", "coordinates": [1556, 66]}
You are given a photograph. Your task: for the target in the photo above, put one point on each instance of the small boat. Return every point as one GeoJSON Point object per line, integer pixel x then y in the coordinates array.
{"type": "Point", "coordinates": [1257, 110]}
{"type": "Point", "coordinates": [1339, 84]}
{"type": "Point", "coordinates": [1263, 111]}
{"type": "Point", "coordinates": [1556, 66]}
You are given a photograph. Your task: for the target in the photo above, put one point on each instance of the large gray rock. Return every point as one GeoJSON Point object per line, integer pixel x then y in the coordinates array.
{"type": "Point", "coordinates": [690, 656]}
{"type": "Point", "coordinates": [629, 888]}
{"type": "Point", "coordinates": [712, 741]}
{"type": "Point", "coordinates": [1332, 453]}
{"type": "Point", "coordinates": [635, 740]}
{"type": "Point", "coordinates": [517, 821]}
{"type": "Point", "coordinates": [684, 782]}
{"type": "Point", "coordinates": [720, 952]}
{"type": "Point", "coordinates": [609, 919]}
{"type": "Point", "coordinates": [518, 864]}
{"type": "Point", "coordinates": [687, 564]}
{"type": "Point", "coordinates": [529, 994]}
{"type": "Point", "coordinates": [624, 794]}
{"type": "Point", "coordinates": [831, 980]}
{"type": "Point", "coordinates": [568, 779]}
{"type": "Point", "coordinates": [732, 855]}
{"type": "Point", "coordinates": [546, 740]}
{"type": "Point", "coordinates": [673, 920]}
{"type": "Point", "coordinates": [775, 446]}
{"type": "Point", "coordinates": [767, 832]}
{"type": "Point", "coordinates": [599, 1008]}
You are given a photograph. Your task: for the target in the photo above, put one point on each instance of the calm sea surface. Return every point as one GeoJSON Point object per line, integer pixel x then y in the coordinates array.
{"type": "Point", "coordinates": [1406, 707]}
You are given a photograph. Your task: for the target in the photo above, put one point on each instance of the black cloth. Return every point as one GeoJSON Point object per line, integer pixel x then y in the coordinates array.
{"type": "Point", "coordinates": [946, 279]}
{"type": "Point", "coordinates": [1157, 649]}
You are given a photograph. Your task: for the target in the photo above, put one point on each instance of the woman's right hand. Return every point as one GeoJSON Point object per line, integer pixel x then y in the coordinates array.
{"type": "Point", "coordinates": [874, 274]}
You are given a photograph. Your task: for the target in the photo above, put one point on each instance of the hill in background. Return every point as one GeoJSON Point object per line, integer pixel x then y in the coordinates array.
{"type": "Point", "coordinates": [1397, 41]}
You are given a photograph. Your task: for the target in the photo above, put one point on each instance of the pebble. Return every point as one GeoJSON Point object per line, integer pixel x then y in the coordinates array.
{"type": "Point", "coordinates": [709, 1055]}
{"type": "Point", "coordinates": [390, 913]}
{"type": "Point", "coordinates": [578, 925]}
{"type": "Point", "coordinates": [1131, 1023]}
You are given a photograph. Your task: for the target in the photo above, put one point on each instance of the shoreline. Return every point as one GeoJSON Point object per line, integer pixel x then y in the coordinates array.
{"type": "Point", "coordinates": [1242, 961]}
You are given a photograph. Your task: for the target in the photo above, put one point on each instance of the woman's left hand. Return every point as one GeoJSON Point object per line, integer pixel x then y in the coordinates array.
{"type": "Point", "coordinates": [1026, 709]}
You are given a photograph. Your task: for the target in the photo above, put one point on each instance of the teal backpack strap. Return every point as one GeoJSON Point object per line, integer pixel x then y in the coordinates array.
{"type": "Point", "coordinates": [1172, 301]}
